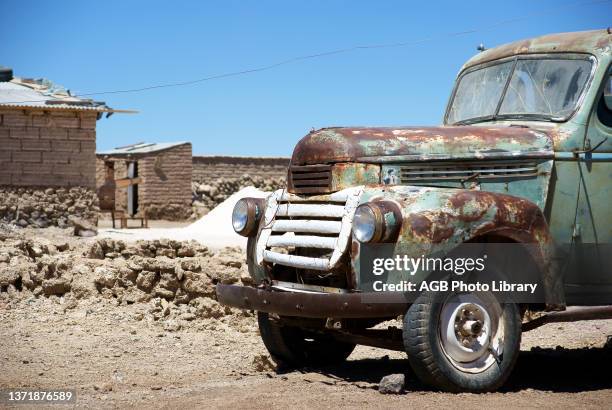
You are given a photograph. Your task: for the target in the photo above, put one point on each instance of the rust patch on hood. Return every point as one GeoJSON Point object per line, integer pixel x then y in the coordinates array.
{"type": "Point", "coordinates": [436, 227]}
{"type": "Point", "coordinates": [419, 224]}
{"type": "Point", "coordinates": [378, 145]}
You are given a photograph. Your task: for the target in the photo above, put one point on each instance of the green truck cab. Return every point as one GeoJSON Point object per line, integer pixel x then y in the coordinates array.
{"type": "Point", "coordinates": [523, 159]}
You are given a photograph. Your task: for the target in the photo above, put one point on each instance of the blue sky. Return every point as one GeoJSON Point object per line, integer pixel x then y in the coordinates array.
{"type": "Point", "coordinates": [99, 46]}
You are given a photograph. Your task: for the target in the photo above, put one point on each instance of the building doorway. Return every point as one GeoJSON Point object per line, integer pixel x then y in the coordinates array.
{"type": "Point", "coordinates": [132, 191]}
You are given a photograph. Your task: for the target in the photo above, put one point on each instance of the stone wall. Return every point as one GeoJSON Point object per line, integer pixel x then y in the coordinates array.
{"type": "Point", "coordinates": [42, 207]}
{"type": "Point", "coordinates": [208, 196]}
{"type": "Point", "coordinates": [215, 178]}
{"type": "Point", "coordinates": [48, 148]}
{"type": "Point", "coordinates": [207, 169]}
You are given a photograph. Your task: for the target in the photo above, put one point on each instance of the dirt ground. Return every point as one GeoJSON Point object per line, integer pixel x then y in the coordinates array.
{"type": "Point", "coordinates": [118, 355]}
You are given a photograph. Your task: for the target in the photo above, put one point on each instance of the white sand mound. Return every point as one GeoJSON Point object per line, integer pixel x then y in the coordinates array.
{"type": "Point", "coordinates": [213, 229]}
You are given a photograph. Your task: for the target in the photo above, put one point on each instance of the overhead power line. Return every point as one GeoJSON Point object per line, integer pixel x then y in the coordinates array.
{"type": "Point", "coordinates": [539, 13]}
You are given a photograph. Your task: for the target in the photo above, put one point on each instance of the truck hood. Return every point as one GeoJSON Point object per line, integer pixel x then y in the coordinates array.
{"type": "Point", "coordinates": [379, 145]}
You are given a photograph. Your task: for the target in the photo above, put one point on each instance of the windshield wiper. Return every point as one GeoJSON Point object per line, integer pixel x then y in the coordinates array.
{"type": "Point", "coordinates": [473, 120]}
{"type": "Point", "coordinates": [532, 117]}
{"type": "Point", "coordinates": [541, 117]}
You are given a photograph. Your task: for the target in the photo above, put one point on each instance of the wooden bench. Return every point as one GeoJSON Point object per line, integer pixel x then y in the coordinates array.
{"type": "Point", "coordinates": [124, 218]}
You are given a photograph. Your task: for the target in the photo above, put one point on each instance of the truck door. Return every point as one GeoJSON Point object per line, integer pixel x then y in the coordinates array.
{"type": "Point", "coordinates": [593, 227]}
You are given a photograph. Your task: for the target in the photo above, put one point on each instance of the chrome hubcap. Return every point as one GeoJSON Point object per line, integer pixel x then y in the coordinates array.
{"type": "Point", "coordinates": [471, 331]}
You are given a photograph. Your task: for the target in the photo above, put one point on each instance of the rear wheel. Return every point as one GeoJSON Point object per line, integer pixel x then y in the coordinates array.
{"type": "Point", "coordinates": [462, 341]}
{"type": "Point", "coordinates": [294, 347]}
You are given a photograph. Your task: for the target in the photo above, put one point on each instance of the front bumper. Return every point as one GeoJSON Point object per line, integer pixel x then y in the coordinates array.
{"type": "Point", "coordinates": [313, 305]}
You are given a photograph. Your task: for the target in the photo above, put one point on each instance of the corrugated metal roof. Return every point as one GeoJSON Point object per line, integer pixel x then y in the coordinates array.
{"type": "Point", "coordinates": [20, 93]}
{"type": "Point", "coordinates": [142, 148]}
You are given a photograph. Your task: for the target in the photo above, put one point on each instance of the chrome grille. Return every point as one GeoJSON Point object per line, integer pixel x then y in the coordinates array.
{"type": "Point", "coordinates": [310, 179]}
{"type": "Point", "coordinates": [459, 171]}
{"type": "Point", "coordinates": [322, 223]}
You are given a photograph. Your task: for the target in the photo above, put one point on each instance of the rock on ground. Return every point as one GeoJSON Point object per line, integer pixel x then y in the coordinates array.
{"type": "Point", "coordinates": [392, 384]}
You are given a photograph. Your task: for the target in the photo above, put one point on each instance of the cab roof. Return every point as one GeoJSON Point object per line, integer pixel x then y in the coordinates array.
{"type": "Point", "coordinates": [596, 42]}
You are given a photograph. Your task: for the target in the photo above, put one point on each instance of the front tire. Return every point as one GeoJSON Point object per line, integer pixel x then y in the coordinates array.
{"type": "Point", "coordinates": [295, 347]}
{"type": "Point", "coordinates": [465, 342]}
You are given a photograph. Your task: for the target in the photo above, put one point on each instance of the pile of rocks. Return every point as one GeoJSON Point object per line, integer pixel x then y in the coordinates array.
{"type": "Point", "coordinates": [42, 207]}
{"type": "Point", "coordinates": [165, 273]}
{"type": "Point", "coordinates": [208, 194]}
{"type": "Point", "coordinates": [172, 270]}
{"type": "Point", "coordinates": [169, 284]}
{"type": "Point", "coordinates": [38, 267]}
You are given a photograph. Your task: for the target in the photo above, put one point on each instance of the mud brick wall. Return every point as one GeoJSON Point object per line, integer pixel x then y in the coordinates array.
{"type": "Point", "coordinates": [165, 188]}
{"type": "Point", "coordinates": [207, 169]}
{"type": "Point", "coordinates": [47, 148]}
{"type": "Point", "coordinates": [47, 166]}
{"type": "Point", "coordinates": [166, 183]}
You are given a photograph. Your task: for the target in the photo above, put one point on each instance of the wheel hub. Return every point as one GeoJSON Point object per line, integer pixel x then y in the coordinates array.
{"type": "Point", "coordinates": [470, 331]}
{"type": "Point", "coordinates": [469, 324]}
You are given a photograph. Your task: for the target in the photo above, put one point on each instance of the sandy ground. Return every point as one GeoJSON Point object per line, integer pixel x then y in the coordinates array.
{"type": "Point", "coordinates": [105, 223]}
{"type": "Point", "coordinates": [120, 356]}
{"type": "Point", "coordinates": [113, 359]}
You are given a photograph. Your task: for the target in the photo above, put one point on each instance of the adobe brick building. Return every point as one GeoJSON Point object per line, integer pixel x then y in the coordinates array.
{"type": "Point", "coordinates": [149, 178]}
{"type": "Point", "coordinates": [46, 145]}
{"type": "Point", "coordinates": [47, 140]}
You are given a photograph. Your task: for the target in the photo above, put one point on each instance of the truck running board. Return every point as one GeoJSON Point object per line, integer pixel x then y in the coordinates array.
{"type": "Point", "coordinates": [571, 314]}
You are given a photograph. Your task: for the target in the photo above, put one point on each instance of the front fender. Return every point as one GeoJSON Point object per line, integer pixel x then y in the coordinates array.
{"type": "Point", "coordinates": [437, 220]}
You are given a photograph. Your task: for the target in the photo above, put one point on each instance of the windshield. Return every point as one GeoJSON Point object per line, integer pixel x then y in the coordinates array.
{"type": "Point", "coordinates": [543, 88]}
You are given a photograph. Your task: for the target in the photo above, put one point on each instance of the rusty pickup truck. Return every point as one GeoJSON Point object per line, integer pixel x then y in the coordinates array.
{"type": "Point", "coordinates": [523, 159]}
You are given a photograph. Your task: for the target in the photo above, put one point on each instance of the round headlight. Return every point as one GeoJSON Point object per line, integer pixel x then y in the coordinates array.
{"type": "Point", "coordinates": [378, 221]}
{"type": "Point", "coordinates": [240, 215]}
{"type": "Point", "coordinates": [364, 224]}
{"type": "Point", "coordinates": [246, 215]}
